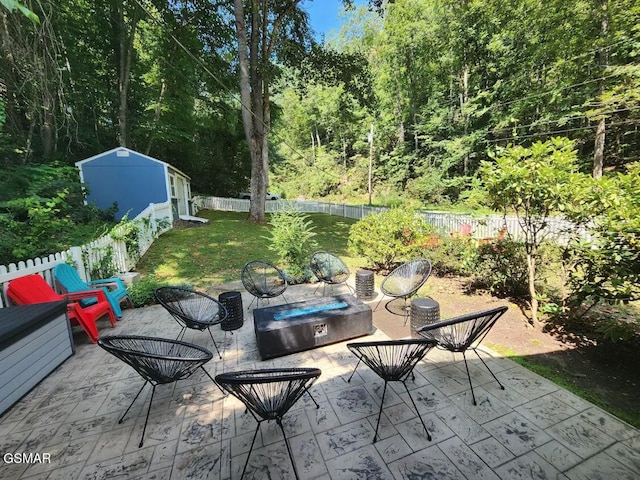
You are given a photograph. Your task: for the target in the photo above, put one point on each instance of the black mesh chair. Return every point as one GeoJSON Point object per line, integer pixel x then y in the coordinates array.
{"type": "Point", "coordinates": [263, 280]}
{"type": "Point", "coordinates": [392, 361]}
{"type": "Point", "coordinates": [330, 270]}
{"type": "Point", "coordinates": [403, 283]}
{"type": "Point", "coordinates": [157, 360]}
{"type": "Point", "coordinates": [269, 394]}
{"type": "Point", "coordinates": [191, 309]}
{"type": "Point", "coordinates": [464, 333]}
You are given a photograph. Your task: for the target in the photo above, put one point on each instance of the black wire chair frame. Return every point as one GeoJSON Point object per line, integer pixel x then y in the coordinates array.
{"type": "Point", "coordinates": [268, 394]}
{"type": "Point", "coordinates": [263, 281]}
{"type": "Point", "coordinates": [392, 361]}
{"type": "Point", "coordinates": [329, 270]}
{"type": "Point", "coordinates": [463, 333]}
{"type": "Point", "coordinates": [403, 283]}
{"type": "Point", "coordinates": [157, 360]}
{"type": "Point", "coordinates": [191, 309]}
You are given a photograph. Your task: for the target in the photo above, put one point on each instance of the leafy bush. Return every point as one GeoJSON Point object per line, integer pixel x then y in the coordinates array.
{"type": "Point", "coordinates": [389, 237]}
{"type": "Point", "coordinates": [501, 266]}
{"type": "Point", "coordinates": [292, 240]}
{"type": "Point", "coordinates": [141, 292]}
{"type": "Point", "coordinates": [448, 254]}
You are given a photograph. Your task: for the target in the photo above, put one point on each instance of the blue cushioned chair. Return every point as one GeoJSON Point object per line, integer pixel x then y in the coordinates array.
{"type": "Point", "coordinates": [69, 280]}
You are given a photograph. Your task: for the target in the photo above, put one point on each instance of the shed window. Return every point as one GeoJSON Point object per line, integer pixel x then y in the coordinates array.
{"type": "Point", "coordinates": [172, 183]}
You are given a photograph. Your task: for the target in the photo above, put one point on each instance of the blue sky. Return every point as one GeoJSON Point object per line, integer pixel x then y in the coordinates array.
{"type": "Point", "coordinates": [323, 14]}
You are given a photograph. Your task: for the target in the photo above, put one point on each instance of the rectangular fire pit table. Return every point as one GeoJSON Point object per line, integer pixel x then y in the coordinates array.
{"type": "Point", "coordinates": [284, 329]}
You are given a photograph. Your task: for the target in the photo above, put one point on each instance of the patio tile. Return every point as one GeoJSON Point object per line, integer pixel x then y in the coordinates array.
{"type": "Point", "coordinates": [608, 423]}
{"type": "Point", "coordinates": [428, 464]}
{"type": "Point", "coordinates": [601, 467]}
{"type": "Point", "coordinates": [163, 456]}
{"type": "Point", "coordinates": [466, 460]}
{"type": "Point", "coordinates": [65, 454]}
{"type": "Point", "coordinates": [488, 407]}
{"type": "Point", "coordinates": [201, 430]}
{"type": "Point", "coordinates": [392, 448]}
{"type": "Point", "coordinates": [323, 418]}
{"type": "Point", "coordinates": [517, 433]}
{"type": "Point", "coordinates": [210, 461]}
{"type": "Point", "coordinates": [630, 456]}
{"type": "Point", "coordinates": [580, 436]}
{"type": "Point", "coordinates": [462, 425]}
{"type": "Point", "coordinates": [363, 463]}
{"type": "Point", "coordinates": [558, 455]}
{"type": "Point", "coordinates": [352, 403]}
{"type": "Point", "coordinates": [526, 383]}
{"type": "Point", "coordinates": [413, 432]}
{"type": "Point", "coordinates": [530, 466]}
{"type": "Point", "coordinates": [492, 452]}
{"type": "Point", "coordinates": [344, 439]}
{"type": "Point", "coordinates": [546, 411]}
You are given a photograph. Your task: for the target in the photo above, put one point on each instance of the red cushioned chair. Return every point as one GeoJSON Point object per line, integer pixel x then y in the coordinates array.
{"type": "Point", "coordinates": [34, 289]}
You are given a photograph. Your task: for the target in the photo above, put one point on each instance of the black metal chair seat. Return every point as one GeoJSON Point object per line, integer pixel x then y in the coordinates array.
{"type": "Point", "coordinates": [329, 269]}
{"type": "Point", "coordinates": [263, 280]}
{"type": "Point", "coordinates": [464, 333]}
{"type": "Point", "coordinates": [191, 309]}
{"type": "Point", "coordinates": [393, 361]}
{"type": "Point", "coordinates": [403, 283]}
{"type": "Point", "coordinates": [157, 360]}
{"type": "Point", "coordinates": [269, 394]}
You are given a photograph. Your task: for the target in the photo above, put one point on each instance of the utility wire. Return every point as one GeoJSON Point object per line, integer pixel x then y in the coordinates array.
{"type": "Point", "coordinates": [554, 132]}
{"type": "Point", "coordinates": [568, 119]}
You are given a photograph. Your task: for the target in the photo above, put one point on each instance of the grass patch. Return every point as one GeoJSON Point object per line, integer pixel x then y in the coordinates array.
{"type": "Point", "coordinates": [216, 252]}
{"type": "Point", "coordinates": [564, 381]}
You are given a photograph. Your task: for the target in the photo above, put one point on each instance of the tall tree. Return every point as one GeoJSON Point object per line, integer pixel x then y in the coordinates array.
{"type": "Point", "coordinates": [261, 27]}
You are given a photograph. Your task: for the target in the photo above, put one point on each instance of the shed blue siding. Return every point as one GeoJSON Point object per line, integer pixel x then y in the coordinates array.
{"type": "Point", "coordinates": [133, 181]}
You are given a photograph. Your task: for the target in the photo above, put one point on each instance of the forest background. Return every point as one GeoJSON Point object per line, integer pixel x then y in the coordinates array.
{"type": "Point", "coordinates": [422, 91]}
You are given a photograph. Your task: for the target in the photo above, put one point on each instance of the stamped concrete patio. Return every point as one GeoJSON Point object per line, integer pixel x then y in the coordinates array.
{"type": "Point", "coordinates": [533, 429]}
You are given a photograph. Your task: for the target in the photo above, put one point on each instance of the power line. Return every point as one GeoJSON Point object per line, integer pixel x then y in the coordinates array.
{"type": "Point", "coordinates": [542, 94]}
{"type": "Point", "coordinates": [554, 132]}
{"type": "Point", "coordinates": [568, 119]}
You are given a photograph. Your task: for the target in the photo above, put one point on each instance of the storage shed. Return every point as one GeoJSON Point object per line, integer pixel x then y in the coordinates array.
{"type": "Point", "coordinates": [133, 180]}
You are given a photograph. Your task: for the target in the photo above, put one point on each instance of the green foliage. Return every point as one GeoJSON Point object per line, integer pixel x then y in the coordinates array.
{"type": "Point", "coordinates": [42, 208]}
{"type": "Point", "coordinates": [141, 292]}
{"type": "Point", "coordinates": [390, 236]}
{"type": "Point", "coordinates": [101, 264]}
{"type": "Point", "coordinates": [292, 239]}
{"type": "Point", "coordinates": [448, 254]}
{"type": "Point", "coordinates": [607, 267]}
{"type": "Point", "coordinates": [128, 231]}
{"type": "Point", "coordinates": [500, 265]}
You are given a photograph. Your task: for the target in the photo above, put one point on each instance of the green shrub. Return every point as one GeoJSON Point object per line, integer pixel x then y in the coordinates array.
{"type": "Point", "coordinates": [292, 239]}
{"type": "Point", "coordinates": [448, 254]}
{"type": "Point", "coordinates": [389, 237]}
{"type": "Point", "coordinates": [501, 266]}
{"type": "Point", "coordinates": [141, 292]}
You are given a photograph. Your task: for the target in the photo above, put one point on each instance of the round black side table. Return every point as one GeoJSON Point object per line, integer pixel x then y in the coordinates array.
{"type": "Point", "coordinates": [364, 284]}
{"type": "Point", "coordinates": [423, 312]}
{"type": "Point", "coordinates": [232, 301]}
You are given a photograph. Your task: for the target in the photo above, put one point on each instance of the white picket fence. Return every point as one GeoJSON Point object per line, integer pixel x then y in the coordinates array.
{"type": "Point", "coordinates": [152, 222]}
{"type": "Point", "coordinates": [482, 226]}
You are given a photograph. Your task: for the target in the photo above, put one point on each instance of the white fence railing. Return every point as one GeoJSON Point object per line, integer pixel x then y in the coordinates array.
{"type": "Point", "coordinates": [482, 226]}
{"type": "Point", "coordinates": [151, 222]}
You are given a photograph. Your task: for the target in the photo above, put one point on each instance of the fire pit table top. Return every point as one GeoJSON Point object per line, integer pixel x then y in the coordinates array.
{"type": "Point", "coordinates": [293, 327]}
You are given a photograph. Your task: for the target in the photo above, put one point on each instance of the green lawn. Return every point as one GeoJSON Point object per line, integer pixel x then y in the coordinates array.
{"type": "Point", "coordinates": [215, 253]}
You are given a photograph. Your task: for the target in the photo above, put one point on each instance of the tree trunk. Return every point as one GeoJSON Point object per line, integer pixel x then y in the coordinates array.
{"type": "Point", "coordinates": [156, 116]}
{"type": "Point", "coordinates": [126, 37]}
{"type": "Point", "coordinates": [603, 57]}
{"type": "Point", "coordinates": [531, 263]}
